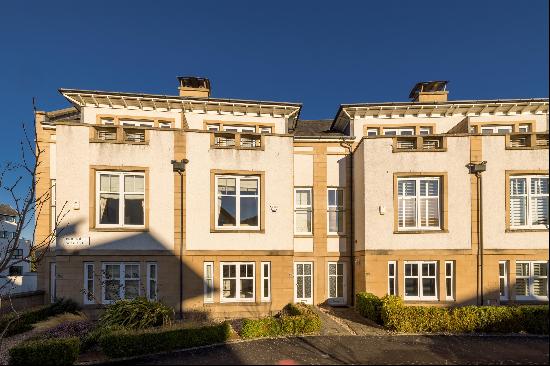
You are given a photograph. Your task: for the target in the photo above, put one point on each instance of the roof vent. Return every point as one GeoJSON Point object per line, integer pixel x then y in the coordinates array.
{"type": "Point", "coordinates": [190, 86]}
{"type": "Point", "coordinates": [430, 91]}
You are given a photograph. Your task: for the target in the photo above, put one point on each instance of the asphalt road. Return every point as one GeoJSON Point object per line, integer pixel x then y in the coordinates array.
{"type": "Point", "coordinates": [380, 350]}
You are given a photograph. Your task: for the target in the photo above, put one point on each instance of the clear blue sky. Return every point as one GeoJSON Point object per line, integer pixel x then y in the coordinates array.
{"type": "Point", "coordinates": [320, 54]}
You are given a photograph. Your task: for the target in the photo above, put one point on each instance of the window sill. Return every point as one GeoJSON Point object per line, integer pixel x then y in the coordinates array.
{"type": "Point", "coordinates": [236, 302]}
{"type": "Point", "coordinates": [236, 148]}
{"type": "Point", "coordinates": [421, 232]}
{"type": "Point", "coordinates": [97, 141]}
{"type": "Point", "coordinates": [233, 231]}
{"type": "Point", "coordinates": [118, 229]}
{"type": "Point", "coordinates": [418, 150]}
{"type": "Point", "coordinates": [332, 235]}
{"type": "Point", "coordinates": [526, 230]}
{"type": "Point", "coordinates": [527, 148]}
{"type": "Point", "coordinates": [303, 235]}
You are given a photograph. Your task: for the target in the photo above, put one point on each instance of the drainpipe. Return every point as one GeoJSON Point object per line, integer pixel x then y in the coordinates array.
{"type": "Point", "coordinates": [179, 167]}
{"type": "Point", "coordinates": [348, 146]}
{"type": "Point", "coordinates": [477, 169]}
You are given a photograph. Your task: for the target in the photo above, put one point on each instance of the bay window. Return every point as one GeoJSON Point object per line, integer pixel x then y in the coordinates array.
{"type": "Point", "coordinates": [237, 202]}
{"type": "Point", "coordinates": [419, 201]}
{"type": "Point", "coordinates": [528, 202]}
{"type": "Point", "coordinates": [237, 281]}
{"type": "Point", "coordinates": [120, 199]}
{"type": "Point", "coordinates": [420, 280]}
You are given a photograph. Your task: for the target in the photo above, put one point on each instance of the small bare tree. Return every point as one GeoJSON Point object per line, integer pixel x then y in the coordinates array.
{"type": "Point", "coordinates": [20, 181]}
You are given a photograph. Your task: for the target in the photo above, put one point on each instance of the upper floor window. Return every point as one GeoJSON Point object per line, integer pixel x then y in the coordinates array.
{"type": "Point", "coordinates": [425, 130]}
{"type": "Point", "coordinates": [237, 202]}
{"type": "Point", "coordinates": [264, 129]}
{"type": "Point", "coordinates": [303, 210]}
{"type": "Point", "coordinates": [138, 123]}
{"type": "Point", "coordinates": [419, 203]}
{"type": "Point", "coordinates": [488, 130]}
{"type": "Point", "coordinates": [229, 128]}
{"type": "Point", "coordinates": [120, 199]}
{"type": "Point", "coordinates": [335, 208]}
{"type": "Point", "coordinates": [399, 131]}
{"type": "Point", "coordinates": [165, 124]}
{"type": "Point", "coordinates": [372, 131]}
{"type": "Point", "coordinates": [529, 202]}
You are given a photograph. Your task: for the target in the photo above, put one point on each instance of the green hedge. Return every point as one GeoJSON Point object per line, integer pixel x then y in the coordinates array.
{"type": "Point", "coordinates": [396, 316]}
{"type": "Point", "coordinates": [59, 351]}
{"type": "Point", "coordinates": [126, 343]}
{"type": "Point", "coordinates": [28, 318]}
{"type": "Point", "coordinates": [293, 320]}
{"type": "Point", "coordinates": [369, 306]}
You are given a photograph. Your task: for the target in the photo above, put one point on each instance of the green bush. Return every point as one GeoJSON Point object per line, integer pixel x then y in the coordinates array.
{"type": "Point", "coordinates": [369, 306]}
{"type": "Point", "coordinates": [294, 319]}
{"type": "Point", "coordinates": [60, 351]}
{"type": "Point", "coordinates": [138, 313]}
{"type": "Point", "coordinates": [127, 342]}
{"type": "Point", "coordinates": [466, 319]}
{"type": "Point", "coordinates": [27, 318]}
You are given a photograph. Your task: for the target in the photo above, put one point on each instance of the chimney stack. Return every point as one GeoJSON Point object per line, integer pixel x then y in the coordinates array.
{"type": "Point", "coordinates": [430, 92]}
{"type": "Point", "coordinates": [190, 86]}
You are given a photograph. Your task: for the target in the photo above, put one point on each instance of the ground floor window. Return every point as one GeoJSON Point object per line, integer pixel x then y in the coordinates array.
{"type": "Point", "coordinates": [336, 282]}
{"type": "Point", "coordinates": [152, 281]}
{"type": "Point", "coordinates": [120, 281]}
{"type": "Point", "coordinates": [531, 280]}
{"type": "Point", "coordinates": [89, 283]}
{"type": "Point", "coordinates": [237, 282]}
{"type": "Point", "coordinates": [266, 281]}
{"type": "Point", "coordinates": [449, 280]}
{"type": "Point", "coordinates": [420, 280]}
{"type": "Point", "coordinates": [208, 281]}
{"type": "Point", "coordinates": [503, 279]}
{"type": "Point", "coordinates": [392, 282]}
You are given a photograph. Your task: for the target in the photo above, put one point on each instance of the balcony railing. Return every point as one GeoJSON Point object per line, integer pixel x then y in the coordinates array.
{"type": "Point", "coordinates": [236, 140]}
{"type": "Point", "coordinates": [525, 141]}
{"type": "Point", "coordinates": [419, 143]}
{"type": "Point", "coordinates": [134, 135]}
{"type": "Point", "coordinates": [106, 133]}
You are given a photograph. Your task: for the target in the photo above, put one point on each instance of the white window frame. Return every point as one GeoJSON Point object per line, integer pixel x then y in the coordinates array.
{"type": "Point", "coordinates": [530, 280]}
{"type": "Point", "coordinates": [303, 208]}
{"type": "Point", "coordinates": [420, 296]}
{"type": "Point", "coordinates": [425, 130]}
{"type": "Point", "coordinates": [399, 131]}
{"type": "Point", "coordinates": [208, 289]}
{"type": "Point", "coordinates": [392, 278]}
{"type": "Point", "coordinates": [121, 201]}
{"type": "Point", "coordinates": [121, 279]}
{"type": "Point", "coordinates": [165, 124]}
{"type": "Point", "coordinates": [239, 129]}
{"type": "Point", "coordinates": [238, 179]}
{"type": "Point", "coordinates": [89, 267]}
{"type": "Point", "coordinates": [150, 266]}
{"type": "Point", "coordinates": [306, 300]}
{"type": "Point", "coordinates": [504, 277]}
{"type": "Point", "coordinates": [372, 131]}
{"type": "Point", "coordinates": [528, 196]}
{"type": "Point", "coordinates": [525, 128]}
{"type": "Point", "coordinates": [417, 198]}
{"type": "Point", "coordinates": [336, 208]}
{"type": "Point", "coordinates": [213, 127]}
{"type": "Point", "coordinates": [137, 123]}
{"type": "Point", "coordinates": [266, 129]}
{"type": "Point", "coordinates": [494, 129]}
{"type": "Point", "coordinates": [337, 300]}
{"type": "Point", "coordinates": [263, 267]}
{"type": "Point", "coordinates": [238, 282]}
{"type": "Point", "coordinates": [450, 277]}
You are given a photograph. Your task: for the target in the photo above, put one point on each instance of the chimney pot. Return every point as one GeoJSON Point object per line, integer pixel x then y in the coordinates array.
{"type": "Point", "coordinates": [195, 87]}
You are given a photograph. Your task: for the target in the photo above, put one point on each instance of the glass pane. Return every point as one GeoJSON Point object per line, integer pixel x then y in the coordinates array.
{"type": "Point", "coordinates": [425, 269]}
{"type": "Point", "coordinates": [208, 271]}
{"type": "Point", "coordinates": [307, 269]}
{"type": "Point", "coordinates": [108, 208]}
{"type": "Point", "coordinates": [303, 197]}
{"type": "Point", "coordinates": [429, 212]}
{"type": "Point", "coordinates": [112, 271]}
{"type": "Point", "coordinates": [333, 221]}
{"type": "Point", "coordinates": [227, 186]}
{"type": "Point", "coordinates": [390, 132]}
{"type": "Point", "coordinates": [406, 188]}
{"type": "Point", "coordinates": [428, 286]}
{"type": "Point", "coordinates": [242, 271]}
{"type": "Point", "coordinates": [407, 212]}
{"type": "Point", "coordinates": [332, 269]}
{"type": "Point", "coordinates": [247, 288]}
{"type": "Point", "coordinates": [502, 287]}
{"type": "Point", "coordinates": [540, 286]}
{"type": "Point", "coordinates": [249, 211]}
{"type": "Point", "coordinates": [340, 269]}
{"type": "Point", "coordinates": [266, 270]}
{"type": "Point", "coordinates": [227, 211]}
{"type": "Point", "coordinates": [112, 290]}
{"type": "Point", "coordinates": [414, 267]}
{"type": "Point", "coordinates": [539, 210]}
{"type": "Point", "coordinates": [152, 289]}
{"type": "Point", "coordinates": [303, 221]}
{"type": "Point", "coordinates": [448, 286]}
{"type": "Point", "coordinates": [90, 271]}
{"type": "Point", "coordinates": [229, 288]}
{"type": "Point", "coordinates": [332, 286]}
{"type": "Point", "coordinates": [300, 287]}
{"type": "Point", "coordinates": [134, 183]}
{"type": "Point", "coordinates": [307, 287]}
{"type": "Point", "coordinates": [448, 269]}
{"type": "Point", "coordinates": [340, 286]}
{"type": "Point", "coordinates": [429, 188]}
{"type": "Point", "coordinates": [133, 209]}
{"type": "Point", "coordinates": [411, 287]}
{"type": "Point", "coordinates": [131, 271]}
{"type": "Point", "coordinates": [501, 269]}
{"type": "Point", "coordinates": [540, 269]}
{"type": "Point", "coordinates": [391, 286]}
{"type": "Point", "coordinates": [131, 289]}
{"type": "Point", "coordinates": [522, 287]}
{"type": "Point", "coordinates": [249, 187]}
{"type": "Point", "coordinates": [300, 269]}
{"type": "Point", "coordinates": [266, 287]}
{"type": "Point", "coordinates": [518, 186]}
{"type": "Point", "coordinates": [391, 270]}
{"type": "Point", "coordinates": [406, 132]}
{"type": "Point", "coordinates": [108, 183]}
{"type": "Point", "coordinates": [153, 271]}
{"type": "Point", "coordinates": [518, 211]}
{"type": "Point", "coordinates": [340, 197]}
{"type": "Point", "coordinates": [522, 269]}
{"type": "Point", "coordinates": [331, 197]}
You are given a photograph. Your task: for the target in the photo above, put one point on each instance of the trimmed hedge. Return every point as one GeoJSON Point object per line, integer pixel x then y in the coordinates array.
{"type": "Point", "coordinates": [369, 306]}
{"type": "Point", "coordinates": [30, 317]}
{"type": "Point", "coordinates": [60, 351]}
{"type": "Point", "coordinates": [466, 319]}
{"type": "Point", "coordinates": [126, 343]}
{"type": "Point", "coordinates": [292, 320]}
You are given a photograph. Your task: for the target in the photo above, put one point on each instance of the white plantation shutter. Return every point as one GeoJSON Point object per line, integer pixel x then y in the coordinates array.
{"type": "Point", "coordinates": [407, 203]}
{"type": "Point", "coordinates": [419, 203]}
{"type": "Point", "coordinates": [518, 201]}
{"type": "Point", "coordinates": [539, 201]}
{"type": "Point", "coordinates": [529, 201]}
{"type": "Point", "coordinates": [429, 203]}
{"type": "Point", "coordinates": [531, 280]}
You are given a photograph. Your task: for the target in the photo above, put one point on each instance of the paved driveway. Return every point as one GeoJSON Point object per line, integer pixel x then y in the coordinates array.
{"type": "Point", "coordinates": [385, 349]}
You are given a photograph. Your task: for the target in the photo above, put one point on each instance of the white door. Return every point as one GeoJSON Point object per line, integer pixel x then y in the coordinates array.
{"type": "Point", "coordinates": [336, 283]}
{"type": "Point", "coordinates": [53, 280]}
{"type": "Point", "coordinates": [303, 282]}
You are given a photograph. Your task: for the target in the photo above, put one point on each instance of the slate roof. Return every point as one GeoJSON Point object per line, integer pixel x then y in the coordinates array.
{"type": "Point", "coordinates": [317, 127]}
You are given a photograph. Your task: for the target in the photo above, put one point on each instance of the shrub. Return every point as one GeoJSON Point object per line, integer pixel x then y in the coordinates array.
{"type": "Point", "coordinates": [27, 318]}
{"type": "Point", "coordinates": [78, 328]}
{"type": "Point", "coordinates": [466, 319]}
{"type": "Point", "coordinates": [138, 313]}
{"type": "Point", "coordinates": [292, 320]}
{"type": "Point", "coordinates": [369, 306]}
{"type": "Point", "coordinates": [62, 351]}
{"type": "Point", "coordinates": [127, 342]}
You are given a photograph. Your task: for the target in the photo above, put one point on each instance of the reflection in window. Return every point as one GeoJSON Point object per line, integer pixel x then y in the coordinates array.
{"type": "Point", "coordinates": [237, 201]}
{"type": "Point", "coordinates": [116, 185]}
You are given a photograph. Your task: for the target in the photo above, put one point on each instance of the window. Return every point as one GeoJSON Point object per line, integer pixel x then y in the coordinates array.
{"type": "Point", "coordinates": [237, 200]}
{"type": "Point", "coordinates": [208, 281]}
{"type": "Point", "coordinates": [89, 283]}
{"type": "Point", "coordinates": [107, 121]}
{"type": "Point", "coordinates": [16, 271]}
{"type": "Point", "coordinates": [152, 281]}
{"type": "Point", "coordinates": [372, 131]}
{"type": "Point", "coordinates": [237, 282]}
{"type": "Point", "coordinates": [106, 133]}
{"type": "Point", "coordinates": [529, 202]}
{"type": "Point", "coordinates": [425, 130]}
{"type": "Point", "coordinates": [335, 207]}
{"type": "Point", "coordinates": [120, 281]}
{"type": "Point", "coordinates": [165, 124]}
{"type": "Point", "coordinates": [303, 210]}
{"type": "Point", "coordinates": [449, 280]}
{"type": "Point", "coordinates": [524, 128]}
{"type": "Point", "coordinates": [134, 135]}
{"type": "Point", "coordinates": [213, 127]}
{"type": "Point", "coordinates": [53, 210]}
{"type": "Point", "coordinates": [120, 199]}
{"type": "Point", "coordinates": [239, 128]}
{"type": "Point", "coordinates": [137, 123]}
{"type": "Point", "coordinates": [265, 129]}
{"type": "Point", "coordinates": [418, 203]}
{"type": "Point", "coordinates": [503, 279]}
{"type": "Point", "coordinates": [420, 281]}
{"type": "Point", "coordinates": [531, 280]}
{"type": "Point", "coordinates": [488, 130]}
{"type": "Point", "coordinates": [335, 280]}
{"type": "Point", "coordinates": [266, 281]}
{"type": "Point", "coordinates": [17, 254]}
{"type": "Point", "coordinates": [392, 275]}
{"type": "Point", "coordinates": [398, 131]}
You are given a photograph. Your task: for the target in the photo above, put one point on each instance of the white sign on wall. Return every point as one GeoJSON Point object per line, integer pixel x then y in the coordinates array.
{"type": "Point", "coordinates": [72, 241]}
